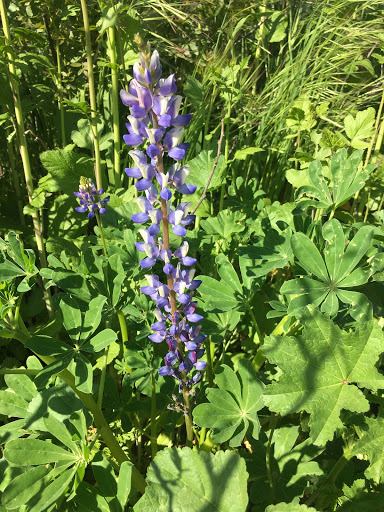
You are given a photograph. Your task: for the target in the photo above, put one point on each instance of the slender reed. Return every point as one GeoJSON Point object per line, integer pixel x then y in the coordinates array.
{"type": "Point", "coordinates": [23, 146]}
{"type": "Point", "coordinates": [92, 94]}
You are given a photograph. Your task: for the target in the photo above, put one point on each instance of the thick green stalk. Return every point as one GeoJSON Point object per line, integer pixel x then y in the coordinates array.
{"type": "Point", "coordinates": [100, 421]}
{"type": "Point", "coordinates": [98, 220]}
{"type": "Point", "coordinates": [92, 94]}
{"type": "Point", "coordinates": [123, 326]}
{"type": "Point", "coordinates": [23, 146]}
{"type": "Point", "coordinates": [115, 107]}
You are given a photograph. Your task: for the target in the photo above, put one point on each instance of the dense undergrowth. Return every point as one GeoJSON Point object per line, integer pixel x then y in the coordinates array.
{"type": "Point", "coordinates": [201, 328]}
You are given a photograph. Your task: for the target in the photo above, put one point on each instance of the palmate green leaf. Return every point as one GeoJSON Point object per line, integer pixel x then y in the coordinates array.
{"type": "Point", "coordinates": [332, 278]}
{"type": "Point", "coordinates": [181, 479]}
{"type": "Point", "coordinates": [371, 445]}
{"type": "Point", "coordinates": [322, 371]}
{"type": "Point", "coordinates": [233, 407]}
{"type": "Point", "coordinates": [33, 452]}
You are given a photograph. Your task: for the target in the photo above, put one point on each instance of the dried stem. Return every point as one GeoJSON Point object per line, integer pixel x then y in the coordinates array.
{"type": "Point", "coordinates": [203, 195]}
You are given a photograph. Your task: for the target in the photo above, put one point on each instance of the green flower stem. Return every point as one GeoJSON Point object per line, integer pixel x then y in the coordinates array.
{"type": "Point", "coordinates": [23, 146]}
{"type": "Point", "coordinates": [100, 421]}
{"type": "Point", "coordinates": [172, 300]}
{"type": "Point", "coordinates": [123, 326]}
{"type": "Point", "coordinates": [153, 415]}
{"type": "Point", "coordinates": [116, 181]}
{"type": "Point", "coordinates": [98, 220]}
{"type": "Point", "coordinates": [92, 94]}
{"type": "Point", "coordinates": [60, 89]}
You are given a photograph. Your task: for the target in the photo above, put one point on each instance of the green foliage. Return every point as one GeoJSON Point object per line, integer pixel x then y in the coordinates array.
{"type": "Point", "coordinates": [195, 480]}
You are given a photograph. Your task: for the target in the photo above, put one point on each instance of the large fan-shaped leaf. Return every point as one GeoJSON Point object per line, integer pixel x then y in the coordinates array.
{"type": "Point", "coordinates": [181, 480]}
{"type": "Point", "coordinates": [322, 370]}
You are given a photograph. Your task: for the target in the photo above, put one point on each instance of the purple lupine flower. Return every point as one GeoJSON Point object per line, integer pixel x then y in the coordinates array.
{"type": "Point", "coordinates": [156, 125]}
{"type": "Point", "coordinates": [90, 200]}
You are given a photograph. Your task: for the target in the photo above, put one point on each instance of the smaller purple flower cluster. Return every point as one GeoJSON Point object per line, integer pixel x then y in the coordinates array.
{"type": "Point", "coordinates": [90, 198]}
{"type": "Point", "coordinates": [179, 323]}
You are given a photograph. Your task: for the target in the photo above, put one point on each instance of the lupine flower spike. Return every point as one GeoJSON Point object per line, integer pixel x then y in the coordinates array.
{"type": "Point", "coordinates": [155, 124]}
{"type": "Point", "coordinates": [90, 200]}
